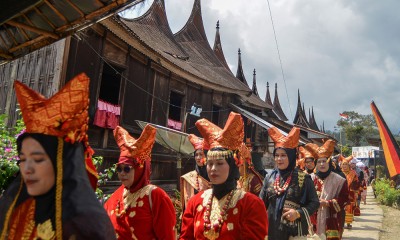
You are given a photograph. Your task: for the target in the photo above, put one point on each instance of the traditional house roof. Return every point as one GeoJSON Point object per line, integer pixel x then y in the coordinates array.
{"type": "Point", "coordinates": [218, 48]}
{"type": "Point", "coordinates": [254, 88]}
{"type": "Point", "coordinates": [186, 53]}
{"type": "Point", "coordinates": [27, 25]}
{"type": "Point", "coordinates": [239, 72]}
{"type": "Point", "coordinates": [311, 119]}
{"type": "Point", "coordinates": [277, 106]}
{"type": "Point", "coordinates": [300, 117]}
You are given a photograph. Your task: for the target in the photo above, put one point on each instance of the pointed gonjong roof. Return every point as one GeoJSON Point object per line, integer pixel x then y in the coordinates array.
{"type": "Point", "coordinates": [277, 106]}
{"type": "Point", "coordinates": [254, 88]}
{"type": "Point", "coordinates": [300, 117]}
{"type": "Point", "coordinates": [218, 48]}
{"type": "Point", "coordinates": [268, 96]}
{"type": "Point", "coordinates": [311, 119]}
{"type": "Point", "coordinates": [239, 72]}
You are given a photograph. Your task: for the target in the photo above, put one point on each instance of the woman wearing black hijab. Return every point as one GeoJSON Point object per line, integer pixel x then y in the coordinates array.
{"type": "Point", "coordinates": [197, 180]}
{"type": "Point", "coordinates": [287, 191]}
{"type": "Point", "coordinates": [224, 212]}
{"type": "Point", "coordinates": [52, 198]}
{"type": "Point", "coordinates": [332, 192]}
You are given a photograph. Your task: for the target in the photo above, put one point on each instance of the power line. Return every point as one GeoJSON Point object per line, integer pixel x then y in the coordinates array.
{"type": "Point", "coordinates": [280, 60]}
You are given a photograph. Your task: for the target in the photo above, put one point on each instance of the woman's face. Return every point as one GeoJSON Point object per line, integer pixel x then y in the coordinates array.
{"type": "Point", "coordinates": [199, 157]}
{"type": "Point", "coordinates": [36, 167]}
{"type": "Point", "coordinates": [217, 170]}
{"type": "Point", "coordinates": [322, 164]}
{"type": "Point", "coordinates": [310, 163]}
{"type": "Point", "coordinates": [345, 166]}
{"type": "Point", "coordinates": [126, 174]}
{"type": "Point", "coordinates": [281, 159]}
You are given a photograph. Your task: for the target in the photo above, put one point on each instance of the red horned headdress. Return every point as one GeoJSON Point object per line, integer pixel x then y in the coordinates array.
{"type": "Point", "coordinates": [281, 141]}
{"type": "Point", "coordinates": [230, 138]}
{"type": "Point", "coordinates": [325, 151]}
{"type": "Point", "coordinates": [64, 115]}
{"type": "Point", "coordinates": [135, 151]}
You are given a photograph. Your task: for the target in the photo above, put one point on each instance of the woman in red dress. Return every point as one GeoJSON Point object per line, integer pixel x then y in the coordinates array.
{"type": "Point", "coordinates": [353, 185]}
{"type": "Point", "coordinates": [224, 212]}
{"type": "Point", "coordinates": [138, 209]}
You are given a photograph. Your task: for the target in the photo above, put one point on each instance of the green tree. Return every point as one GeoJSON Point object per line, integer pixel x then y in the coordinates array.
{"type": "Point", "coordinates": [357, 128]}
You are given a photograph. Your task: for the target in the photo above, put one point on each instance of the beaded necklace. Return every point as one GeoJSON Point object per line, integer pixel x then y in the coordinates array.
{"type": "Point", "coordinates": [279, 190]}
{"type": "Point", "coordinates": [212, 231]}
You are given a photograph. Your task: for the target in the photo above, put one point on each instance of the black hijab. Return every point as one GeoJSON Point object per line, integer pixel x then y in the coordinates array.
{"type": "Point", "coordinates": [220, 190]}
{"type": "Point", "coordinates": [82, 214]}
{"type": "Point", "coordinates": [291, 153]}
{"type": "Point", "coordinates": [285, 173]}
{"type": "Point", "coordinates": [323, 175]}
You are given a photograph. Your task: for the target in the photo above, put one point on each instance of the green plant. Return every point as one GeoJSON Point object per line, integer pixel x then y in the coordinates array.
{"type": "Point", "coordinates": [104, 177]}
{"type": "Point", "coordinates": [8, 151]}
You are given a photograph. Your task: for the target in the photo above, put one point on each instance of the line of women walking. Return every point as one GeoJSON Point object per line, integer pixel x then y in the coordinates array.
{"type": "Point", "coordinates": [53, 197]}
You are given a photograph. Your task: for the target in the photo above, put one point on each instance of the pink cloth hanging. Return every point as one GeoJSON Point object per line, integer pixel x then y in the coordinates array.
{"type": "Point", "coordinates": [107, 115]}
{"type": "Point", "coordinates": [174, 124]}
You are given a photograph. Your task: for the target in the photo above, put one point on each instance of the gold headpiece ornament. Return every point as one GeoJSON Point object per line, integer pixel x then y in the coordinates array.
{"type": "Point", "coordinates": [230, 138]}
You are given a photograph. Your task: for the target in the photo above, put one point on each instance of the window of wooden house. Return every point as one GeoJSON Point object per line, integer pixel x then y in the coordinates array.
{"type": "Point", "coordinates": [215, 114]}
{"type": "Point", "coordinates": [108, 111]}
{"type": "Point", "coordinates": [110, 84]}
{"type": "Point", "coordinates": [175, 107]}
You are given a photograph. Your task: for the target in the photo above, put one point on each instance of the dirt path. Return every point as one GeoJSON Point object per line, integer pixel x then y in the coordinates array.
{"type": "Point", "coordinates": [391, 224]}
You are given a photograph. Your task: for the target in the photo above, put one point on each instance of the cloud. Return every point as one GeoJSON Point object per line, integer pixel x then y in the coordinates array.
{"type": "Point", "coordinates": [340, 54]}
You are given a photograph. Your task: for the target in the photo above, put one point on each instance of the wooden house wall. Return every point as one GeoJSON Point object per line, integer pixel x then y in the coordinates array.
{"type": "Point", "coordinates": [40, 70]}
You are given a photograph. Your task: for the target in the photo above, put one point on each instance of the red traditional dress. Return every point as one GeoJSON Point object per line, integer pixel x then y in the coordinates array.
{"type": "Point", "coordinates": [142, 210]}
{"type": "Point", "coordinates": [251, 182]}
{"type": "Point", "coordinates": [145, 214]}
{"type": "Point", "coordinates": [245, 217]}
{"type": "Point", "coordinates": [334, 189]}
{"type": "Point", "coordinates": [353, 185]}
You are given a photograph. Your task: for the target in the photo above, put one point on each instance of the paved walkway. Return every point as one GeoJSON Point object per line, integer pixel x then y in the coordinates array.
{"type": "Point", "coordinates": [368, 225]}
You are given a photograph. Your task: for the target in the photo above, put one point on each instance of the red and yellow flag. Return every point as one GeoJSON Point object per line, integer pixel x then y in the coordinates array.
{"type": "Point", "coordinates": [390, 147]}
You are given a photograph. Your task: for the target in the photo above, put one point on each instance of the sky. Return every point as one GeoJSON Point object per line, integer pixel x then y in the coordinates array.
{"type": "Point", "coordinates": [340, 54]}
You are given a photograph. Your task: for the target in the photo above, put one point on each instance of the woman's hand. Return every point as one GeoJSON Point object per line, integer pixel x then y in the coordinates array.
{"type": "Point", "coordinates": [323, 203]}
{"type": "Point", "coordinates": [290, 214]}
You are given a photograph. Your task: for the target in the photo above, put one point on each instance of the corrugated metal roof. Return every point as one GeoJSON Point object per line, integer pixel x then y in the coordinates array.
{"type": "Point", "coordinates": [27, 25]}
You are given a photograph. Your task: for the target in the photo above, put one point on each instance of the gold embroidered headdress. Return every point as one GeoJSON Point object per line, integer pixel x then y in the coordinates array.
{"type": "Point", "coordinates": [325, 151]}
{"type": "Point", "coordinates": [281, 141]}
{"type": "Point", "coordinates": [198, 143]}
{"type": "Point", "coordinates": [230, 138]}
{"type": "Point", "coordinates": [135, 151]}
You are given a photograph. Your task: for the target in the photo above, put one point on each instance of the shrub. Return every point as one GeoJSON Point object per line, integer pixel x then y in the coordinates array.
{"type": "Point", "coordinates": [8, 151]}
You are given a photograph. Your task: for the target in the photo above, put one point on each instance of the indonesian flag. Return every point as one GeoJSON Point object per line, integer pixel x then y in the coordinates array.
{"type": "Point", "coordinates": [344, 116]}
